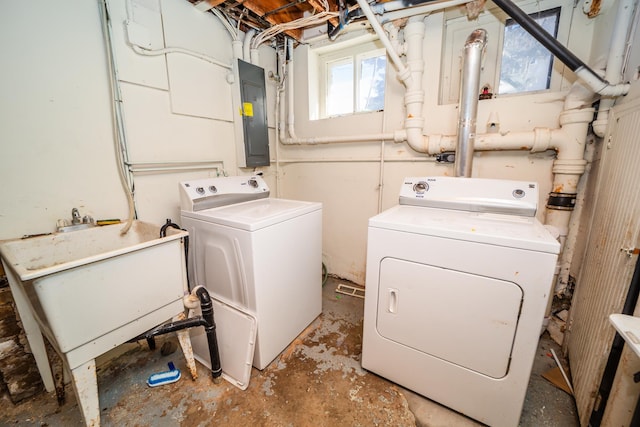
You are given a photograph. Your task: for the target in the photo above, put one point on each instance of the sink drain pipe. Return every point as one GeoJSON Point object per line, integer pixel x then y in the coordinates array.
{"type": "Point", "coordinates": [206, 320]}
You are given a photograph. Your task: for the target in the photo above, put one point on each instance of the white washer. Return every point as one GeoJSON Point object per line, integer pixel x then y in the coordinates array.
{"type": "Point", "coordinates": [458, 278]}
{"type": "Point", "coordinates": [263, 256]}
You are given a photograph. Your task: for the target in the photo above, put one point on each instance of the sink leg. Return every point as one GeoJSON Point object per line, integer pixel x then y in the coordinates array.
{"type": "Point", "coordinates": [32, 330]}
{"type": "Point", "coordinates": [185, 342]}
{"type": "Point", "coordinates": [85, 385]}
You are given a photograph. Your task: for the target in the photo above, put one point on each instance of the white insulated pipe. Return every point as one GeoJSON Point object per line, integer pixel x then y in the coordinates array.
{"type": "Point", "coordinates": [403, 72]}
{"type": "Point", "coordinates": [236, 46]}
{"type": "Point", "coordinates": [290, 97]}
{"type": "Point", "coordinates": [164, 51]}
{"type": "Point", "coordinates": [246, 45]}
{"type": "Point", "coordinates": [414, 94]}
{"type": "Point", "coordinates": [423, 9]}
{"type": "Point", "coordinates": [469, 91]}
{"type": "Point", "coordinates": [254, 56]}
{"type": "Point", "coordinates": [617, 51]}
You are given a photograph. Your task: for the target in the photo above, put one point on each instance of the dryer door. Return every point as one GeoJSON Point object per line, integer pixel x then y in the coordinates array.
{"type": "Point", "coordinates": [458, 317]}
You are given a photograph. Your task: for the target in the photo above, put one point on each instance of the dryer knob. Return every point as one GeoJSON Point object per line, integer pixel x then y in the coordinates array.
{"type": "Point", "coordinates": [420, 187]}
{"type": "Point", "coordinates": [253, 183]}
{"type": "Point", "coordinates": [518, 193]}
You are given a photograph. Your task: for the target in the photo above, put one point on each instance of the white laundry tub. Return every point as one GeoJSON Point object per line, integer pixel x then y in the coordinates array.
{"type": "Point", "coordinates": [91, 290]}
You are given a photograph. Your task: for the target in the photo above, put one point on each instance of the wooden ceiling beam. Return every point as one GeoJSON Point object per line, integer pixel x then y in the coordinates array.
{"type": "Point", "coordinates": [273, 12]}
{"type": "Point", "coordinates": [319, 7]}
{"type": "Point", "coordinates": [205, 5]}
{"type": "Point", "coordinates": [263, 7]}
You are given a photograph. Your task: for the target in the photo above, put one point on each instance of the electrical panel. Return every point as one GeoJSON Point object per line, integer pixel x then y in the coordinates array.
{"type": "Point", "coordinates": [253, 145]}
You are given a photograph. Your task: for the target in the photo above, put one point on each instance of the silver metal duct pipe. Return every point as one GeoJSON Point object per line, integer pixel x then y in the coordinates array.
{"type": "Point", "coordinates": [469, 92]}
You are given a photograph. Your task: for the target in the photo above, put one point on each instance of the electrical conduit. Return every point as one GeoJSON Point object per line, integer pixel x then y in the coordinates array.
{"type": "Point", "coordinates": [246, 46]}
{"type": "Point", "coordinates": [119, 136]}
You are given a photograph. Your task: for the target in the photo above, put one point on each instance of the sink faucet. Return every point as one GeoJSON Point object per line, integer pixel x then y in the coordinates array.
{"type": "Point", "coordinates": [75, 215]}
{"type": "Point", "coordinates": [77, 222]}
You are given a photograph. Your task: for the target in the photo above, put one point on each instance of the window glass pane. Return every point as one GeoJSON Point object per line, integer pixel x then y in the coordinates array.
{"type": "Point", "coordinates": [371, 83]}
{"type": "Point", "coordinates": [526, 64]}
{"type": "Point", "coordinates": [339, 87]}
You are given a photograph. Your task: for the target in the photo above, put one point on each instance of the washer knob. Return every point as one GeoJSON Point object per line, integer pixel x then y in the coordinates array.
{"type": "Point", "coordinates": [213, 189]}
{"type": "Point", "coordinates": [518, 193]}
{"type": "Point", "coordinates": [253, 183]}
{"type": "Point", "coordinates": [420, 187]}
{"type": "Point", "coordinates": [200, 190]}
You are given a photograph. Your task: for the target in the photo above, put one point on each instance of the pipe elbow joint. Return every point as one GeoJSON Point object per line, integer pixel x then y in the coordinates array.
{"type": "Point", "coordinates": [415, 139]}
{"type": "Point", "coordinates": [615, 90]}
{"type": "Point", "coordinates": [600, 126]}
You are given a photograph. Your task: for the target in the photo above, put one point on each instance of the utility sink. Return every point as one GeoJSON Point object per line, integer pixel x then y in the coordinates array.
{"type": "Point", "coordinates": [91, 290]}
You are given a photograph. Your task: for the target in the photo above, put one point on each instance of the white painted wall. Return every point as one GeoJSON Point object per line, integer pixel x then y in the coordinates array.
{"type": "Point", "coordinates": [180, 109]}
{"type": "Point", "coordinates": [57, 138]}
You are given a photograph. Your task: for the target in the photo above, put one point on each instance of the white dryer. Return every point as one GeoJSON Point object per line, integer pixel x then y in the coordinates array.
{"type": "Point", "coordinates": [258, 254]}
{"type": "Point", "coordinates": [457, 283]}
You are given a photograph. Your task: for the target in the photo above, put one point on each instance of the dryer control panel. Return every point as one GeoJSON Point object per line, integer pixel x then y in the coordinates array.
{"type": "Point", "coordinates": [200, 194]}
{"type": "Point", "coordinates": [471, 194]}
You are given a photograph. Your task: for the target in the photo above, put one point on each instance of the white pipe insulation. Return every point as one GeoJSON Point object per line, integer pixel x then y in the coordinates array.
{"type": "Point", "coordinates": [617, 51]}
{"type": "Point", "coordinates": [403, 72]}
{"type": "Point", "coordinates": [246, 45]}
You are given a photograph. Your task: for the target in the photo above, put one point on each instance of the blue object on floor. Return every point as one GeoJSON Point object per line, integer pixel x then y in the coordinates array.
{"type": "Point", "coordinates": [162, 378]}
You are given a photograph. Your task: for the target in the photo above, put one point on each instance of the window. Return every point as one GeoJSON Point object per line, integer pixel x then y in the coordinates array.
{"type": "Point", "coordinates": [527, 65]}
{"type": "Point", "coordinates": [352, 80]}
{"type": "Point", "coordinates": [514, 62]}
{"type": "Point", "coordinates": [339, 94]}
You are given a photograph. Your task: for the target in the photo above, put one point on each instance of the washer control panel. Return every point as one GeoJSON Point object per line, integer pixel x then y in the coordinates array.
{"type": "Point", "coordinates": [199, 194]}
{"type": "Point", "coordinates": [471, 194]}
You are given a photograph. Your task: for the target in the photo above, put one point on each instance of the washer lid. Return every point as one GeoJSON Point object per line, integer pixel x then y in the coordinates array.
{"type": "Point", "coordinates": [255, 214]}
{"type": "Point", "coordinates": [490, 228]}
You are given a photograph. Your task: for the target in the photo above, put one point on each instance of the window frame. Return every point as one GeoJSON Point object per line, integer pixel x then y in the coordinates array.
{"type": "Point", "coordinates": [494, 20]}
{"type": "Point", "coordinates": [555, 12]}
{"type": "Point", "coordinates": [326, 82]}
{"type": "Point", "coordinates": [357, 52]}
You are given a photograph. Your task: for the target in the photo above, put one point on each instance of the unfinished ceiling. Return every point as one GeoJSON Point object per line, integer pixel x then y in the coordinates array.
{"type": "Point", "coordinates": [290, 17]}
{"type": "Point", "coordinates": [263, 14]}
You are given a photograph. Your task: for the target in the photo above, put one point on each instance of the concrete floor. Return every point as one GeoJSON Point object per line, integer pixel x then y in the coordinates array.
{"type": "Point", "coordinates": [317, 381]}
